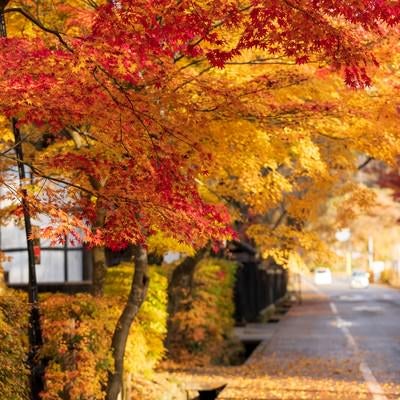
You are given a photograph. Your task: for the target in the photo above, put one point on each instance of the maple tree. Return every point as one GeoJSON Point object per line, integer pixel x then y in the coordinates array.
{"type": "Point", "coordinates": [297, 140]}
{"type": "Point", "coordinates": [116, 79]}
{"type": "Point", "coordinates": [293, 150]}
{"type": "Point", "coordinates": [113, 96]}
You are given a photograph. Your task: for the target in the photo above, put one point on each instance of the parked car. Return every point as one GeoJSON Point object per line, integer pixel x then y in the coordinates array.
{"type": "Point", "coordinates": [359, 279]}
{"type": "Point", "coordinates": [322, 276]}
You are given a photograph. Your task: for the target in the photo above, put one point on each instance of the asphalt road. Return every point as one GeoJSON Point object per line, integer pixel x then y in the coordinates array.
{"type": "Point", "coordinates": [370, 321]}
{"type": "Point", "coordinates": [339, 344]}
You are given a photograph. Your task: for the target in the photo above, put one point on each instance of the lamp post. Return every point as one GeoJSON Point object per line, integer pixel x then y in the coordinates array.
{"type": "Point", "coordinates": [344, 236]}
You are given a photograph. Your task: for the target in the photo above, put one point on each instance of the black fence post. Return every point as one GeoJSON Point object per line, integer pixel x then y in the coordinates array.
{"type": "Point", "coordinates": [258, 285]}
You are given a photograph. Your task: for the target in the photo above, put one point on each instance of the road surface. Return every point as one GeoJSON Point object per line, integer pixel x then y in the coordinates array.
{"type": "Point", "coordinates": [341, 344]}
{"type": "Point", "coordinates": [370, 321]}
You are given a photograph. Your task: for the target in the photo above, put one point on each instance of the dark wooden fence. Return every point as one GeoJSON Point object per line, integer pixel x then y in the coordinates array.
{"type": "Point", "coordinates": [258, 285]}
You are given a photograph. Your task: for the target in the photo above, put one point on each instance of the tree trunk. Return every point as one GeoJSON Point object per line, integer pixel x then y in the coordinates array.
{"type": "Point", "coordinates": [99, 252]}
{"type": "Point", "coordinates": [136, 298]}
{"type": "Point", "coordinates": [34, 329]}
{"type": "Point", "coordinates": [2, 281]}
{"type": "Point", "coordinates": [180, 289]}
{"type": "Point", "coordinates": [99, 270]}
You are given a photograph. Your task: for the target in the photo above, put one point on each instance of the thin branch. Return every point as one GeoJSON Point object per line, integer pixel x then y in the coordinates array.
{"type": "Point", "coordinates": [365, 163]}
{"type": "Point", "coordinates": [113, 98]}
{"type": "Point", "coordinates": [14, 145]}
{"type": "Point", "coordinates": [252, 92]}
{"type": "Point", "coordinates": [215, 26]}
{"type": "Point", "coordinates": [130, 107]}
{"type": "Point", "coordinates": [192, 79]}
{"type": "Point", "coordinates": [279, 220]}
{"type": "Point", "coordinates": [192, 63]}
{"type": "Point", "coordinates": [41, 188]}
{"type": "Point", "coordinates": [40, 173]}
{"type": "Point", "coordinates": [121, 136]}
{"type": "Point", "coordinates": [13, 191]}
{"type": "Point", "coordinates": [272, 61]}
{"type": "Point", "coordinates": [36, 22]}
{"type": "Point", "coordinates": [306, 13]}
{"type": "Point", "coordinates": [330, 136]}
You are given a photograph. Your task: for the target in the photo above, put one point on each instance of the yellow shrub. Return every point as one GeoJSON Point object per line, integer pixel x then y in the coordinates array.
{"type": "Point", "coordinates": [145, 345]}
{"type": "Point", "coordinates": [77, 333]}
{"type": "Point", "coordinates": [13, 346]}
{"type": "Point", "coordinates": [78, 330]}
{"type": "Point", "coordinates": [391, 277]}
{"type": "Point", "coordinates": [205, 326]}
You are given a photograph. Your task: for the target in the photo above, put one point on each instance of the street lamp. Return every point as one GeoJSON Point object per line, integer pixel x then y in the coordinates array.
{"type": "Point", "coordinates": [344, 236]}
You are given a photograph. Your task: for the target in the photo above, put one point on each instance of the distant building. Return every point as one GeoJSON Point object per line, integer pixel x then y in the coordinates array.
{"type": "Point", "coordinates": [59, 265]}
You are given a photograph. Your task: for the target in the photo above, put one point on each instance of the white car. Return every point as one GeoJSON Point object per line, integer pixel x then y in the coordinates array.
{"type": "Point", "coordinates": [359, 280]}
{"type": "Point", "coordinates": [322, 276]}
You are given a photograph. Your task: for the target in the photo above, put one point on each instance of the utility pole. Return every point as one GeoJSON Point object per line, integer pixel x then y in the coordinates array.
{"type": "Point", "coordinates": [349, 258]}
{"type": "Point", "coordinates": [370, 253]}
{"type": "Point", "coordinates": [344, 236]}
{"type": "Point", "coordinates": [34, 329]}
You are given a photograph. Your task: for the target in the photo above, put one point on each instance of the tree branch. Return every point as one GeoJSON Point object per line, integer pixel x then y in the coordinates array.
{"type": "Point", "coordinates": [365, 163]}
{"type": "Point", "coordinates": [36, 22]}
